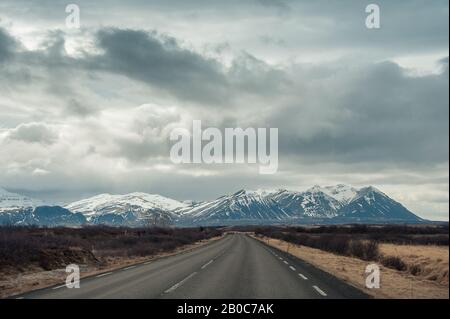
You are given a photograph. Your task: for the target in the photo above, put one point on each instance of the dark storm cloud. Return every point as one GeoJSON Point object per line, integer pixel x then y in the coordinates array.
{"type": "Point", "coordinates": [157, 61]}
{"type": "Point", "coordinates": [7, 45]}
{"type": "Point", "coordinates": [308, 27]}
{"type": "Point", "coordinates": [383, 115]}
{"type": "Point", "coordinates": [248, 74]}
{"type": "Point", "coordinates": [160, 62]}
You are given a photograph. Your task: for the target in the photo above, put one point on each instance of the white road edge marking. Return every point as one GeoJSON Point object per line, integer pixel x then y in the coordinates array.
{"type": "Point", "coordinates": [105, 274]}
{"type": "Point", "coordinates": [180, 283]}
{"type": "Point", "coordinates": [57, 287]}
{"type": "Point", "coordinates": [147, 262]}
{"type": "Point", "coordinates": [20, 298]}
{"type": "Point", "coordinates": [293, 268]}
{"type": "Point", "coordinates": [303, 276]}
{"type": "Point", "coordinates": [320, 291]}
{"type": "Point", "coordinates": [129, 267]}
{"type": "Point", "coordinates": [207, 264]}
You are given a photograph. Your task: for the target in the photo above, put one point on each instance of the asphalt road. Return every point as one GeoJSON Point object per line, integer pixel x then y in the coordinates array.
{"type": "Point", "coordinates": [236, 266]}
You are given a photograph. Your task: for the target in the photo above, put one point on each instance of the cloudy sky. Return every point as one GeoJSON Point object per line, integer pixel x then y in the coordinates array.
{"type": "Point", "coordinates": [89, 110]}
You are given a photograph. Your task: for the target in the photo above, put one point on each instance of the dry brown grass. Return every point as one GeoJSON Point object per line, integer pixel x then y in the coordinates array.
{"type": "Point", "coordinates": [424, 262]}
{"type": "Point", "coordinates": [394, 284]}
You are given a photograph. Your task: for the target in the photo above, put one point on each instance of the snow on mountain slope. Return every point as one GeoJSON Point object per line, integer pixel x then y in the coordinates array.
{"type": "Point", "coordinates": [341, 192]}
{"type": "Point", "coordinates": [127, 209]}
{"type": "Point", "coordinates": [312, 203]}
{"type": "Point", "coordinates": [371, 203]}
{"type": "Point", "coordinates": [316, 203]}
{"type": "Point", "coordinates": [100, 202]}
{"type": "Point", "coordinates": [242, 205]}
{"type": "Point", "coordinates": [329, 202]}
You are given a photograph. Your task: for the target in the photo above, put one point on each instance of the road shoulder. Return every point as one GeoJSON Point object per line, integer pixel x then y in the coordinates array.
{"type": "Point", "coordinates": [394, 284]}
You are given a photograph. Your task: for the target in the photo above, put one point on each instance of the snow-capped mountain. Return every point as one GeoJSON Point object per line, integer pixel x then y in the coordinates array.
{"type": "Point", "coordinates": [312, 203]}
{"type": "Point", "coordinates": [240, 207]}
{"type": "Point", "coordinates": [329, 204]}
{"type": "Point", "coordinates": [343, 203]}
{"type": "Point", "coordinates": [13, 201]}
{"type": "Point", "coordinates": [134, 209]}
{"type": "Point", "coordinates": [340, 203]}
{"type": "Point", "coordinates": [371, 204]}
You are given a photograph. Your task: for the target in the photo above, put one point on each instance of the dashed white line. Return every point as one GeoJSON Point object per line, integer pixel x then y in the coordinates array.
{"type": "Point", "coordinates": [105, 274]}
{"type": "Point", "coordinates": [180, 283]}
{"type": "Point", "coordinates": [320, 291]}
{"type": "Point", "coordinates": [292, 268]}
{"type": "Point", "coordinates": [57, 287]}
{"type": "Point", "coordinates": [303, 276]}
{"type": "Point", "coordinates": [129, 267]}
{"type": "Point", "coordinates": [207, 264]}
{"type": "Point", "coordinates": [280, 258]}
{"type": "Point", "coordinates": [285, 262]}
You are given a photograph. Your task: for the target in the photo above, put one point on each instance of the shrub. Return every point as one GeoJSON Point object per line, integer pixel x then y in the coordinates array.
{"type": "Point", "coordinates": [415, 270]}
{"type": "Point", "coordinates": [365, 250]}
{"type": "Point", "coordinates": [393, 262]}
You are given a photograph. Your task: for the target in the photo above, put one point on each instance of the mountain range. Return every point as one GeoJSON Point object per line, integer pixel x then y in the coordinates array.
{"type": "Point", "coordinates": [330, 204]}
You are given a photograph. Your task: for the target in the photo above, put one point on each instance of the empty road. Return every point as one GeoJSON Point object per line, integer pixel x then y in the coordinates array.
{"type": "Point", "coordinates": [236, 266]}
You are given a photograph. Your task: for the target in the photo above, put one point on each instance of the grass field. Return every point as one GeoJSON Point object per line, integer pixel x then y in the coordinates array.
{"type": "Point", "coordinates": [409, 268]}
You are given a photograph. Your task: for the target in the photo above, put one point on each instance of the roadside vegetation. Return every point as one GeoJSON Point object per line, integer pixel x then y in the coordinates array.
{"type": "Point", "coordinates": [36, 257]}
{"type": "Point", "coordinates": [51, 248]}
{"type": "Point", "coordinates": [416, 250]}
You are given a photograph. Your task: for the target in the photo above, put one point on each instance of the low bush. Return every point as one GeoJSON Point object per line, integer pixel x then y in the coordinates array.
{"type": "Point", "coordinates": [365, 250]}
{"type": "Point", "coordinates": [393, 262]}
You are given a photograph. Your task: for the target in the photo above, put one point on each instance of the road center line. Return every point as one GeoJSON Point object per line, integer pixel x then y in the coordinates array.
{"type": "Point", "coordinates": [208, 263]}
{"type": "Point", "coordinates": [320, 291]}
{"type": "Point", "coordinates": [180, 283]}
{"type": "Point", "coordinates": [292, 268]}
{"type": "Point", "coordinates": [303, 276]}
{"type": "Point", "coordinates": [105, 274]}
